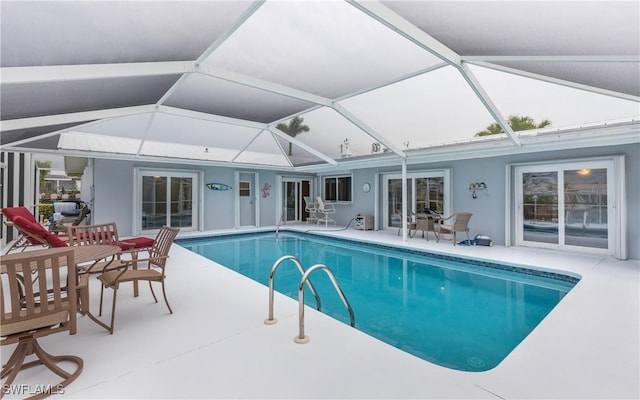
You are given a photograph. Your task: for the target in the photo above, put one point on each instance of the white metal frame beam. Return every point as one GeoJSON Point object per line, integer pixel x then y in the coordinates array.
{"type": "Point", "coordinates": [385, 16]}
{"type": "Point", "coordinates": [303, 146]}
{"type": "Point", "coordinates": [58, 73]}
{"type": "Point", "coordinates": [389, 18]}
{"type": "Point", "coordinates": [181, 112]}
{"type": "Point", "coordinates": [245, 123]}
{"type": "Point", "coordinates": [556, 81]}
{"type": "Point", "coordinates": [237, 24]}
{"type": "Point", "coordinates": [256, 83]}
{"type": "Point", "coordinates": [59, 119]}
{"type": "Point", "coordinates": [488, 103]}
{"type": "Point", "coordinates": [556, 58]}
{"type": "Point", "coordinates": [300, 95]}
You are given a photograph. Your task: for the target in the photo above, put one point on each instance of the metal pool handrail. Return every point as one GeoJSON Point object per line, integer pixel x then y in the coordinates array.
{"type": "Point", "coordinates": [271, 320]}
{"type": "Point", "coordinates": [301, 338]}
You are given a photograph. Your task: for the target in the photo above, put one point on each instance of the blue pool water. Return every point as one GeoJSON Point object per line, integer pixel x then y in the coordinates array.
{"type": "Point", "coordinates": [450, 311]}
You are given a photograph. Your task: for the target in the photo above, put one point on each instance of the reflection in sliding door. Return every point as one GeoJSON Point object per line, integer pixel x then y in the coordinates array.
{"type": "Point", "coordinates": [540, 207]}
{"type": "Point", "coordinates": [568, 206]}
{"type": "Point", "coordinates": [426, 193]}
{"type": "Point", "coordinates": [394, 201]}
{"type": "Point", "coordinates": [585, 207]}
{"type": "Point", "coordinates": [154, 202]}
{"type": "Point", "coordinates": [293, 192]}
{"type": "Point", "coordinates": [181, 202]}
{"type": "Point", "coordinates": [167, 198]}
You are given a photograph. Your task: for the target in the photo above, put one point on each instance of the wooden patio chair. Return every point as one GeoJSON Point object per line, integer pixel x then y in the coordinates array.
{"type": "Point", "coordinates": [459, 222]}
{"type": "Point", "coordinates": [129, 272]}
{"type": "Point", "coordinates": [103, 234]}
{"type": "Point", "coordinates": [411, 222]}
{"type": "Point", "coordinates": [98, 234]}
{"type": "Point", "coordinates": [38, 297]}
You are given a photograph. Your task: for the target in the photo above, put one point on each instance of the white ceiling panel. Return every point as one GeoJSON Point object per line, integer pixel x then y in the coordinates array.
{"type": "Point", "coordinates": [61, 97]}
{"type": "Point", "coordinates": [562, 105]}
{"type": "Point", "coordinates": [327, 48]}
{"type": "Point", "coordinates": [96, 32]}
{"type": "Point", "coordinates": [434, 108]}
{"type": "Point", "coordinates": [528, 28]}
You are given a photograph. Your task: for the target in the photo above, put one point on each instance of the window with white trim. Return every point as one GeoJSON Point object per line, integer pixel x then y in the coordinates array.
{"type": "Point", "coordinates": [338, 189]}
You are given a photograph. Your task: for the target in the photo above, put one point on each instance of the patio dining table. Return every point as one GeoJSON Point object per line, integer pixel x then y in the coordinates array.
{"type": "Point", "coordinates": [423, 223]}
{"type": "Point", "coordinates": [85, 257]}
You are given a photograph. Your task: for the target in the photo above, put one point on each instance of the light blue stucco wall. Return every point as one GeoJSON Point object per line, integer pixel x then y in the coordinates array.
{"type": "Point", "coordinates": [114, 185]}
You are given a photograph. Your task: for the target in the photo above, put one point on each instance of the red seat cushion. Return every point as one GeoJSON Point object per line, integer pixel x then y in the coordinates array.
{"type": "Point", "coordinates": [21, 211]}
{"type": "Point", "coordinates": [31, 226]}
{"type": "Point", "coordinates": [37, 230]}
{"type": "Point", "coordinates": [55, 241]}
{"type": "Point", "coordinates": [138, 243]}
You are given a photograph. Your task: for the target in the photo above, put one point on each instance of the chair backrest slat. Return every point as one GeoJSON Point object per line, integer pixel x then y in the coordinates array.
{"type": "Point", "coordinates": [309, 204]}
{"type": "Point", "coordinates": [40, 289]}
{"type": "Point", "coordinates": [81, 235]}
{"type": "Point", "coordinates": [462, 221]}
{"type": "Point", "coordinates": [162, 245]}
{"type": "Point", "coordinates": [83, 214]}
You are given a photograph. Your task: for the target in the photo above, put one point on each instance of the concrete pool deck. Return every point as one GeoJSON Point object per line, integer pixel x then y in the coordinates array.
{"type": "Point", "coordinates": [216, 345]}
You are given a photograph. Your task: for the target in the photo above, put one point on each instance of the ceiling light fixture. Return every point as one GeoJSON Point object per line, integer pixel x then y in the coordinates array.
{"type": "Point", "coordinates": [584, 171]}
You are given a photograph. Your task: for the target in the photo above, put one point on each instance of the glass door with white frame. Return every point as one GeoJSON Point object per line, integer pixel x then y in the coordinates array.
{"type": "Point", "coordinates": [293, 193]}
{"type": "Point", "coordinates": [425, 191]}
{"type": "Point", "coordinates": [167, 199]}
{"type": "Point", "coordinates": [566, 206]}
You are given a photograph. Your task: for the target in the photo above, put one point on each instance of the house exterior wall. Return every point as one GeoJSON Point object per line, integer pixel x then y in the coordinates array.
{"type": "Point", "coordinates": [488, 208]}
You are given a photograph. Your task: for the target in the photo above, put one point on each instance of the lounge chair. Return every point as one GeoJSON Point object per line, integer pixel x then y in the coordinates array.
{"type": "Point", "coordinates": [155, 271]}
{"type": "Point", "coordinates": [61, 225]}
{"type": "Point", "coordinates": [24, 240]}
{"type": "Point", "coordinates": [326, 209]}
{"type": "Point", "coordinates": [458, 222]}
{"type": "Point", "coordinates": [35, 234]}
{"type": "Point", "coordinates": [34, 308]}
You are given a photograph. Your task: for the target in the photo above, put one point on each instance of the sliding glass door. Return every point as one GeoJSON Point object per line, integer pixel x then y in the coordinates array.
{"type": "Point", "coordinates": [425, 191]}
{"type": "Point", "coordinates": [566, 205]}
{"type": "Point", "coordinates": [293, 192]}
{"type": "Point", "coordinates": [167, 198]}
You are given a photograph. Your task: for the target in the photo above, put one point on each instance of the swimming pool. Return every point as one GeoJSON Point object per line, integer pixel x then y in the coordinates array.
{"type": "Point", "coordinates": [461, 314]}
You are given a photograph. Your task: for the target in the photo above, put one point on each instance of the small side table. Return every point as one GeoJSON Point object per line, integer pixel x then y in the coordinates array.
{"type": "Point", "coordinates": [364, 223]}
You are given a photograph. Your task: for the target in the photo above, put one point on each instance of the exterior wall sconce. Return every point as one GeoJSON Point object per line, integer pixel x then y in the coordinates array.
{"type": "Point", "coordinates": [476, 186]}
